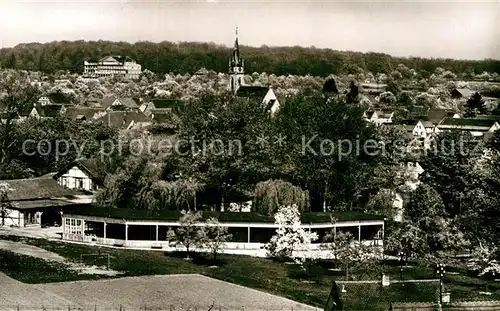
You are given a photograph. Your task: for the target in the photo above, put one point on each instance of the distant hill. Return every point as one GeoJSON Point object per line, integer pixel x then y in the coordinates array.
{"type": "Point", "coordinates": [188, 57]}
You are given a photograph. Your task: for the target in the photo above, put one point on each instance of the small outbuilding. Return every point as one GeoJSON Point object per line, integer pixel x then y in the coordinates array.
{"type": "Point", "coordinates": [36, 201]}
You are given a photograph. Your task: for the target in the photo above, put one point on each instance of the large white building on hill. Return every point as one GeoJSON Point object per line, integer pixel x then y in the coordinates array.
{"type": "Point", "coordinates": [112, 66]}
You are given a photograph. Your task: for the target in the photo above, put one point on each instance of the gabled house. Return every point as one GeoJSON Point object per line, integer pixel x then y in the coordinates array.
{"type": "Point", "coordinates": [415, 127]}
{"type": "Point", "coordinates": [122, 103]}
{"type": "Point", "coordinates": [53, 99]}
{"type": "Point", "coordinates": [84, 113]}
{"type": "Point", "coordinates": [127, 120]}
{"type": "Point", "coordinates": [419, 112]}
{"type": "Point", "coordinates": [260, 93]}
{"type": "Point", "coordinates": [51, 110]}
{"type": "Point", "coordinates": [36, 201]}
{"type": "Point", "coordinates": [81, 174]}
{"type": "Point", "coordinates": [378, 116]}
{"type": "Point", "coordinates": [461, 93]}
{"type": "Point", "coordinates": [437, 115]}
{"type": "Point", "coordinates": [430, 127]}
{"type": "Point", "coordinates": [161, 105]}
{"type": "Point", "coordinates": [477, 127]}
{"type": "Point", "coordinates": [28, 112]}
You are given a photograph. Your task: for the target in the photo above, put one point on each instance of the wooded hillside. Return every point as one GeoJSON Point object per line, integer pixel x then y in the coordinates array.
{"type": "Point", "coordinates": [188, 57]}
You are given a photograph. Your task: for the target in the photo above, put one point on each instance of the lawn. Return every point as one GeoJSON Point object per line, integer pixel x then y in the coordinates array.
{"type": "Point", "coordinates": [286, 280]}
{"type": "Point", "coordinates": [33, 270]}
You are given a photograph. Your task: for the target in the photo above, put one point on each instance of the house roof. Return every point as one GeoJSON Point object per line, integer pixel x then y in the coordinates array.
{"type": "Point", "coordinates": [409, 122]}
{"type": "Point", "coordinates": [43, 203]}
{"type": "Point", "coordinates": [92, 167]}
{"type": "Point", "coordinates": [121, 119]}
{"type": "Point", "coordinates": [369, 113]}
{"type": "Point", "coordinates": [373, 85]}
{"type": "Point", "coordinates": [49, 111]}
{"type": "Point", "coordinates": [246, 91]}
{"type": "Point", "coordinates": [464, 92]}
{"type": "Point", "coordinates": [427, 124]}
{"type": "Point", "coordinates": [36, 189]}
{"type": "Point", "coordinates": [79, 112]}
{"type": "Point", "coordinates": [436, 115]}
{"type": "Point", "coordinates": [166, 103]}
{"type": "Point", "coordinates": [108, 59]}
{"type": "Point", "coordinates": [488, 117]}
{"type": "Point", "coordinates": [108, 101]}
{"type": "Point", "coordinates": [419, 111]}
{"type": "Point", "coordinates": [115, 58]}
{"type": "Point", "coordinates": [165, 118]}
{"type": "Point", "coordinates": [128, 102]}
{"type": "Point", "coordinates": [58, 98]}
{"type": "Point", "coordinates": [385, 113]}
{"type": "Point", "coordinates": [470, 123]}
{"type": "Point", "coordinates": [124, 101]}
{"type": "Point", "coordinates": [235, 217]}
{"type": "Point", "coordinates": [25, 110]}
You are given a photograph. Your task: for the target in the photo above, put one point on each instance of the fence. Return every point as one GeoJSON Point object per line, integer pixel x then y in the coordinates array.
{"type": "Point", "coordinates": [138, 308]}
{"type": "Point", "coordinates": [457, 306]}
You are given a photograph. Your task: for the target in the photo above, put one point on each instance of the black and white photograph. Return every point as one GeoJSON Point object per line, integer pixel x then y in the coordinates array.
{"type": "Point", "coordinates": [249, 155]}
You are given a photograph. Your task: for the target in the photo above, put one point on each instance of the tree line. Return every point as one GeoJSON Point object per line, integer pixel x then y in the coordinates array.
{"type": "Point", "coordinates": [189, 57]}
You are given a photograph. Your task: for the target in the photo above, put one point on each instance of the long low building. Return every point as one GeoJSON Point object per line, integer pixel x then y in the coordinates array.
{"type": "Point", "coordinates": [250, 231]}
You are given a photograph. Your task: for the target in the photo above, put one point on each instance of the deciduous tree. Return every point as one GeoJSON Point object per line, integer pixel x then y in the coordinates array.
{"type": "Point", "coordinates": [214, 236]}
{"type": "Point", "coordinates": [290, 236]}
{"type": "Point", "coordinates": [5, 203]}
{"type": "Point", "coordinates": [189, 234]}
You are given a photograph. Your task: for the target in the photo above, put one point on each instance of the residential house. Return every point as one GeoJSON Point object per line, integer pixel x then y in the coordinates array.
{"type": "Point", "coordinates": [51, 111]}
{"type": "Point", "coordinates": [461, 93]}
{"type": "Point", "coordinates": [36, 201]}
{"type": "Point", "coordinates": [112, 66]}
{"type": "Point", "coordinates": [373, 88]}
{"type": "Point", "coordinates": [415, 127]}
{"type": "Point", "coordinates": [435, 115]}
{"type": "Point", "coordinates": [127, 120]}
{"type": "Point", "coordinates": [419, 112]}
{"type": "Point", "coordinates": [477, 127]}
{"type": "Point", "coordinates": [378, 116]}
{"type": "Point", "coordinates": [82, 174]}
{"type": "Point", "coordinates": [119, 103]}
{"type": "Point", "coordinates": [57, 98]}
{"type": "Point", "coordinates": [161, 105]}
{"type": "Point", "coordinates": [412, 172]}
{"type": "Point", "coordinates": [260, 93]}
{"type": "Point", "coordinates": [84, 113]}
{"type": "Point", "coordinates": [28, 112]}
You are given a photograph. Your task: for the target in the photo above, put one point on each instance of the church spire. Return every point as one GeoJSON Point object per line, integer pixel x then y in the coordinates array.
{"type": "Point", "coordinates": [236, 65]}
{"type": "Point", "coordinates": [236, 60]}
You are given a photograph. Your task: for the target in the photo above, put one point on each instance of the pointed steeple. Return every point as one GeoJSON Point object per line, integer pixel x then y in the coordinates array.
{"type": "Point", "coordinates": [236, 60]}
{"type": "Point", "coordinates": [236, 64]}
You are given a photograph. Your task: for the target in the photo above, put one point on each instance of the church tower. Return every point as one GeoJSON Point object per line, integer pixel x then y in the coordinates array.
{"type": "Point", "coordinates": [236, 72]}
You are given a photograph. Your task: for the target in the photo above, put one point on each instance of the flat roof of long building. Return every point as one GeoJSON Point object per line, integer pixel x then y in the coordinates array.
{"type": "Point", "coordinates": [237, 217]}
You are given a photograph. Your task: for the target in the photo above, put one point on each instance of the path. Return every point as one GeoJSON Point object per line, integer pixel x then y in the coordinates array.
{"type": "Point", "coordinates": [133, 293]}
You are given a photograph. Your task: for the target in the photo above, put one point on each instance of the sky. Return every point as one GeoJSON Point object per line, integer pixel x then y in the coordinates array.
{"type": "Point", "coordinates": [451, 29]}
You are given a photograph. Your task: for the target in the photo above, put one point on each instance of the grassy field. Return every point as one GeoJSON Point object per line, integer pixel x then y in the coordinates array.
{"type": "Point", "coordinates": [286, 280]}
